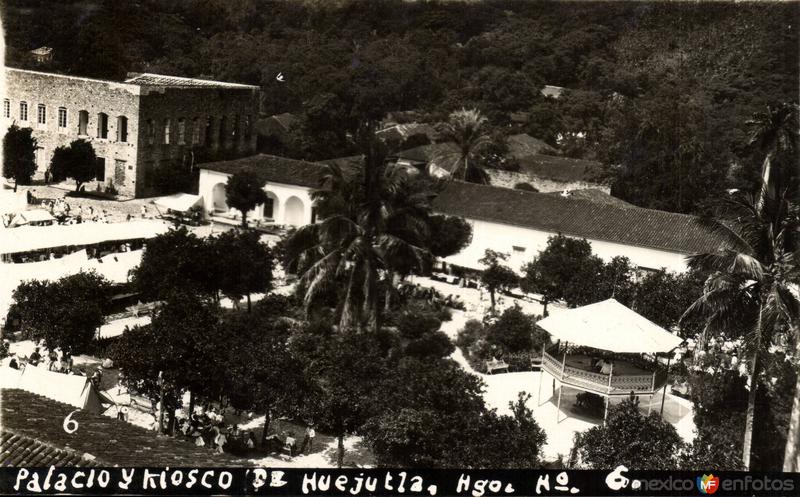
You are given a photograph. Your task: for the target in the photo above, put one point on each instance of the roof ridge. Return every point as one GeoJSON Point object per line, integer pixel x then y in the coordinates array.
{"type": "Point", "coordinates": [554, 195]}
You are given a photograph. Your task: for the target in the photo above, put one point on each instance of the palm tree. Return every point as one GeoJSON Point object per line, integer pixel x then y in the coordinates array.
{"type": "Point", "coordinates": [369, 220]}
{"type": "Point", "coordinates": [467, 128]}
{"type": "Point", "coordinates": [773, 132]}
{"type": "Point", "coordinates": [749, 291]}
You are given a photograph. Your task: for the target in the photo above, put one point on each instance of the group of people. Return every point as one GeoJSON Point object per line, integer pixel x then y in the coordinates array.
{"type": "Point", "coordinates": [64, 364]}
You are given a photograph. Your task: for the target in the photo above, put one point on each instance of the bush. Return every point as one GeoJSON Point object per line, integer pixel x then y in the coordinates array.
{"type": "Point", "coordinates": [514, 331]}
{"type": "Point", "coordinates": [472, 332]}
{"type": "Point", "coordinates": [525, 186]}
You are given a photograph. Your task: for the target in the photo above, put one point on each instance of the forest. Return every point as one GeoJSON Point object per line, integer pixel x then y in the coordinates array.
{"type": "Point", "coordinates": [661, 93]}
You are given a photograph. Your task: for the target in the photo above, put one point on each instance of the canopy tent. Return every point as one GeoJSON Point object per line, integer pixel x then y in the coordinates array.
{"type": "Point", "coordinates": [32, 216]}
{"type": "Point", "coordinates": [73, 390]}
{"type": "Point", "coordinates": [114, 267]}
{"type": "Point", "coordinates": [609, 325]}
{"type": "Point", "coordinates": [31, 238]}
{"type": "Point", "coordinates": [179, 202]}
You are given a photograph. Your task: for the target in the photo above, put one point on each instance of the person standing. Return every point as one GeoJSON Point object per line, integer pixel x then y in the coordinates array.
{"type": "Point", "coordinates": [310, 433]}
{"type": "Point", "coordinates": [52, 364]}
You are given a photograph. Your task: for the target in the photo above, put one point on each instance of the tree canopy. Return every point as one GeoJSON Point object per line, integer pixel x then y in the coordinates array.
{"type": "Point", "coordinates": [244, 192]}
{"type": "Point", "coordinates": [64, 313]}
{"type": "Point", "coordinates": [77, 161]}
{"type": "Point", "coordinates": [19, 155]}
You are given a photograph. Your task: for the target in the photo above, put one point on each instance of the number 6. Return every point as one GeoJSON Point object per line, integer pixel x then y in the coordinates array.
{"type": "Point", "coordinates": [70, 425]}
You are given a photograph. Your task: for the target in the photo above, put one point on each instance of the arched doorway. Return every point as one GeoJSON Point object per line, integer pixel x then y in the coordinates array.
{"type": "Point", "coordinates": [294, 212]}
{"type": "Point", "coordinates": [219, 198]}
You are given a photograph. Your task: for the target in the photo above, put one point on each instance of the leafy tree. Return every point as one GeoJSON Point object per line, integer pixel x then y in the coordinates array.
{"type": "Point", "coordinates": [174, 260]}
{"type": "Point", "coordinates": [467, 128]}
{"type": "Point", "coordinates": [663, 297]}
{"type": "Point", "coordinates": [749, 292]}
{"type": "Point", "coordinates": [630, 438]}
{"type": "Point", "coordinates": [245, 263]}
{"type": "Point", "coordinates": [565, 270]}
{"type": "Point", "coordinates": [64, 313]}
{"type": "Point", "coordinates": [420, 335]}
{"type": "Point", "coordinates": [496, 276]}
{"type": "Point", "coordinates": [342, 369]}
{"type": "Point", "coordinates": [244, 192]}
{"type": "Point", "coordinates": [183, 344]}
{"type": "Point", "coordinates": [262, 374]}
{"type": "Point", "coordinates": [77, 161]}
{"type": "Point", "coordinates": [19, 155]}
{"type": "Point", "coordinates": [449, 235]}
{"type": "Point", "coordinates": [514, 331]}
{"type": "Point", "coordinates": [424, 402]}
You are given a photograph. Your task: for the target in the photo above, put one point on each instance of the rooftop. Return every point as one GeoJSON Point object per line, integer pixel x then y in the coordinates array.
{"type": "Point", "coordinates": [560, 168]}
{"type": "Point", "coordinates": [524, 145]}
{"type": "Point", "coordinates": [148, 79]}
{"type": "Point", "coordinates": [552, 91]}
{"type": "Point", "coordinates": [426, 153]}
{"type": "Point", "coordinates": [273, 169]}
{"type": "Point", "coordinates": [628, 225]}
{"type": "Point", "coordinates": [37, 422]}
{"type": "Point", "coordinates": [19, 450]}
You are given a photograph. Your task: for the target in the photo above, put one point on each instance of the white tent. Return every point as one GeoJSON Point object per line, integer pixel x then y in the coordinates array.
{"type": "Point", "coordinates": [73, 390]}
{"type": "Point", "coordinates": [30, 238]}
{"type": "Point", "coordinates": [32, 216]}
{"type": "Point", "coordinates": [609, 325]}
{"type": "Point", "coordinates": [179, 202]}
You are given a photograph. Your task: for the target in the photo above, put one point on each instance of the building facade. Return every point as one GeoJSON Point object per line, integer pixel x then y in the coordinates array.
{"type": "Point", "coordinates": [137, 126]}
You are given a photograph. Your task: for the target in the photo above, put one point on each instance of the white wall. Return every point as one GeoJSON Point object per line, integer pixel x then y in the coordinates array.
{"type": "Point", "coordinates": [282, 193]}
{"type": "Point", "coordinates": [503, 238]}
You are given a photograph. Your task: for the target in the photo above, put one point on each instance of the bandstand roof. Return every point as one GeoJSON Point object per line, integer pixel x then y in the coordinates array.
{"type": "Point", "coordinates": [609, 325]}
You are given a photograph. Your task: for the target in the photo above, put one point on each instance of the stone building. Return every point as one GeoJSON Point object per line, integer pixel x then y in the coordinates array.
{"type": "Point", "coordinates": [141, 125]}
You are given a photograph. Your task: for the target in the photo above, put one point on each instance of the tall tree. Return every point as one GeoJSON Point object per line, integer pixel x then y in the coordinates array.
{"type": "Point", "coordinates": [496, 276]}
{"type": "Point", "coordinates": [566, 269]}
{"type": "Point", "coordinates": [369, 220]}
{"type": "Point", "coordinates": [178, 259]}
{"type": "Point", "coordinates": [750, 289]}
{"type": "Point", "coordinates": [449, 235]}
{"type": "Point", "coordinates": [262, 373]}
{"type": "Point", "coordinates": [77, 161]}
{"type": "Point", "coordinates": [468, 129]}
{"type": "Point", "coordinates": [19, 155]}
{"type": "Point", "coordinates": [64, 313]}
{"type": "Point", "coordinates": [772, 132]}
{"type": "Point", "coordinates": [244, 192]}
{"type": "Point", "coordinates": [244, 262]}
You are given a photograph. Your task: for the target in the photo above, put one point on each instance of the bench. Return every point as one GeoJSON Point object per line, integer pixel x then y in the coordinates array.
{"type": "Point", "coordinates": [496, 365]}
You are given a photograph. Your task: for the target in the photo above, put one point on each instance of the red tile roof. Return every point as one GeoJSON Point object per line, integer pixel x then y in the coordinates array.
{"type": "Point", "coordinates": [580, 217]}
{"type": "Point", "coordinates": [111, 442]}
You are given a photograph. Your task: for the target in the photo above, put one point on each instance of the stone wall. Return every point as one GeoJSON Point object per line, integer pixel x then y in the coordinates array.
{"type": "Point", "coordinates": [74, 95]}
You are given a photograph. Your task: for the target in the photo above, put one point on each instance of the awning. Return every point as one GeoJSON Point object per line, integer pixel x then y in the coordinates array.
{"type": "Point", "coordinates": [32, 216]}
{"type": "Point", "coordinates": [30, 238]}
{"type": "Point", "coordinates": [609, 325]}
{"type": "Point", "coordinates": [180, 202]}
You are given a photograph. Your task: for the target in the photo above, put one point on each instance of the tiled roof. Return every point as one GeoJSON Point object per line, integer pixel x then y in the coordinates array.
{"type": "Point", "coordinates": [110, 441]}
{"type": "Point", "coordinates": [20, 450]}
{"type": "Point", "coordinates": [577, 217]}
{"type": "Point", "coordinates": [147, 79]}
{"type": "Point", "coordinates": [560, 168]}
{"type": "Point", "coordinates": [596, 196]}
{"type": "Point", "coordinates": [426, 153]}
{"type": "Point", "coordinates": [523, 145]}
{"type": "Point", "coordinates": [274, 169]}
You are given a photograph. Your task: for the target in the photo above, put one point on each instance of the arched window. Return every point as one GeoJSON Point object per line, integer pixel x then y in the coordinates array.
{"type": "Point", "coordinates": [247, 127]}
{"type": "Point", "coordinates": [102, 125]}
{"type": "Point", "coordinates": [122, 129]}
{"type": "Point", "coordinates": [208, 139]}
{"type": "Point", "coordinates": [235, 128]}
{"type": "Point", "coordinates": [83, 123]}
